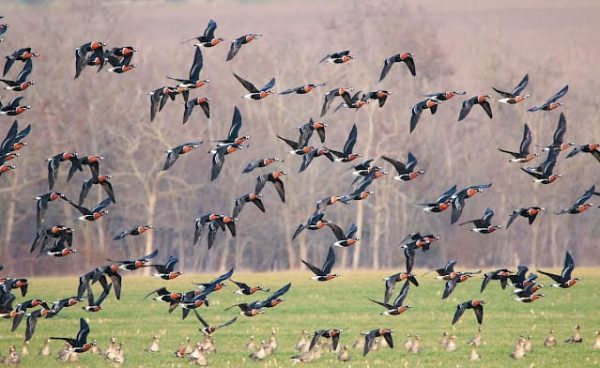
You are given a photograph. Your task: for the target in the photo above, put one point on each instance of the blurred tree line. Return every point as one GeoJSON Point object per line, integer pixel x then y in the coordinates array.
{"type": "Point", "coordinates": [108, 114]}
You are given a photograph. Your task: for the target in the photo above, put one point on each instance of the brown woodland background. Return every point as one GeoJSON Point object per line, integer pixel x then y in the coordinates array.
{"type": "Point", "coordinates": [495, 43]}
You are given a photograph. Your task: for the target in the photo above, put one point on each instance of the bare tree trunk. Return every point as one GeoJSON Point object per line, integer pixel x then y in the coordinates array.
{"type": "Point", "coordinates": [239, 255]}
{"type": "Point", "coordinates": [291, 253]}
{"type": "Point", "coordinates": [375, 240]}
{"type": "Point", "coordinates": [359, 225]}
{"type": "Point", "coordinates": [151, 210]}
{"type": "Point", "coordinates": [360, 206]}
{"type": "Point", "coordinates": [10, 220]}
{"type": "Point", "coordinates": [554, 244]}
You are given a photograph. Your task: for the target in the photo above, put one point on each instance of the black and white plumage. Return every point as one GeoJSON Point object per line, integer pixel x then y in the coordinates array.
{"type": "Point", "coordinates": [21, 82]}
{"type": "Point", "coordinates": [482, 101]}
{"type": "Point", "coordinates": [79, 344]}
{"type": "Point", "coordinates": [346, 155]}
{"type": "Point", "coordinates": [458, 199]}
{"type": "Point", "coordinates": [483, 225]}
{"type": "Point", "coordinates": [544, 173]}
{"type": "Point", "coordinates": [207, 39]}
{"type": "Point", "coordinates": [417, 109]}
{"type": "Point", "coordinates": [564, 280]}
{"type": "Point", "coordinates": [248, 198]}
{"type": "Point", "coordinates": [551, 103]}
{"type": "Point", "coordinates": [256, 93]}
{"type": "Point", "coordinates": [523, 155]}
{"type": "Point", "coordinates": [274, 178]}
{"type": "Point", "coordinates": [101, 180]}
{"type": "Point", "coordinates": [259, 163]}
{"type": "Point", "coordinates": [338, 57]}
{"type": "Point", "coordinates": [580, 204]}
{"type": "Point", "coordinates": [54, 164]}
{"type": "Point", "coordinates": [405, 57]}
{"type": "Point", "coordinates": [397, 307]}
{"type": "Point", "coordinates": [208, 329]}
{"type": "Point", "coordinates": [530, 213]}
{"type": "Point", "coordinates": [333, 334]}
{"type": "Point", "coordinates": [237, 44]}
{"type": "Point", "coordinates": [190, 104]}
{"type": "Point", "coordinates": [476, 305]}
{"type": "Point", "coordinates": [344, 238]}
{"type": "Point", "coordinates": [323, 273]}
{"type": "Point", "coordinates": [371, 335]}
{"type": "Point", "coordinates": [405, 171]}
{"type": "Point", "coordinates": [331, 95]}
{"type": "Point", "coordinates": [174, 153]}
{"type": "Point", "coordinates": [515, 95]}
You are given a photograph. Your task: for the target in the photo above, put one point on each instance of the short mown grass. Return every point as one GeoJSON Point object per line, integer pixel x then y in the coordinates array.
{"type": "Point", "coordinates": [341, 303]}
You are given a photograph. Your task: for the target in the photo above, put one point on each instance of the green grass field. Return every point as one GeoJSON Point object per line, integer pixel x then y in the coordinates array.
{"type": "Point", "coordinates": [341, 303]}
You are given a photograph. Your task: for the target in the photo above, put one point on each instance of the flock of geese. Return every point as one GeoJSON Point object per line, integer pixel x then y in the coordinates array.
{"type": "Point", "coordinates": [56, 240]}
